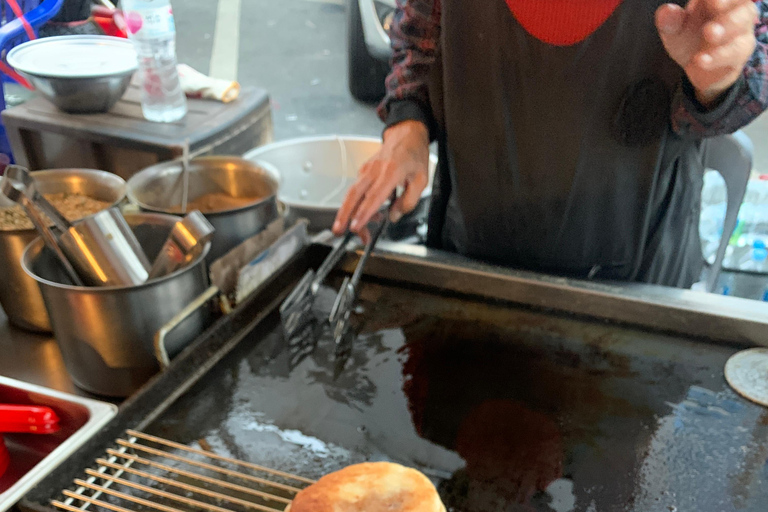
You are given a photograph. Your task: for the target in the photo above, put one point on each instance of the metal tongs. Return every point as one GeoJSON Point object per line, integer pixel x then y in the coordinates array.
{"type": "Point", "coordinates": [19, 186]}
{"type": "Point", "coordinates": [296, 311]}
{"type": "Point", "coordinates": [343, 337]}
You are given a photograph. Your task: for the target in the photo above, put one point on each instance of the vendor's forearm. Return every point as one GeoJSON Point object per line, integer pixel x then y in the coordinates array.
{"type": "Point", "coordinates": [415, 35]}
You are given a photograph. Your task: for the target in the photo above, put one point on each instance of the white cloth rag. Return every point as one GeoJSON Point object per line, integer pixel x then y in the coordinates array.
{"type": "Point", "coordinates": [197, 85]}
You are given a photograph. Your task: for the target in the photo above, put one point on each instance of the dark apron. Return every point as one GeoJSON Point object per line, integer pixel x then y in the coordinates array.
{"type": "Point", "coordinates": [561, 159]}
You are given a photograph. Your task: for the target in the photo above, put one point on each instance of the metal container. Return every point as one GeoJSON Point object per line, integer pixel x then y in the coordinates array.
{"type": "Point", "coordinates": [315, 174]}
{"type": "Point", "coordinates": [82, 95]}
{"type": "Point", "coordinates": [106, 333]}
{"type": "Point", "coordinates": [105, 251]}
{"type": "Point", "coordinates": [33, 457]}
{"type": "Point", "coordinates": [79, 74]}
{"type": "Point", "coordinates": [159, 189]}
{"type": "Point", "coordinates": [19, 294]}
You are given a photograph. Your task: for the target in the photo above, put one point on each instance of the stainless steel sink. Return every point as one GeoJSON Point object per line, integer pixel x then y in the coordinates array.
{"type": "Point", "coordinates": [34, 456]}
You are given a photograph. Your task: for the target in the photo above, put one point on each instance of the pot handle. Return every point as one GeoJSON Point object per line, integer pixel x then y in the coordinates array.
{"type": "Point", "coordinates": [161, 354]}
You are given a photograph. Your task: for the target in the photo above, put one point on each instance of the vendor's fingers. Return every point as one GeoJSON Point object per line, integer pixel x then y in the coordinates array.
{"type": "Point", "coordinates": [373, 199]}
{"type": "Point", "coordinates": [730, 55]}
{"type": "Point", "coordinates": [715, 7]}
{"type": "Point", "coordinates": [353, 199]}
{"type": "Point", "coordinates": [731, 24]}
{"type": "Point", "coordinates": [670, 18]}
{"type": "Point", "coordinates": [365, 235]}
{"type": "Point", "coordinates": [410, 197]}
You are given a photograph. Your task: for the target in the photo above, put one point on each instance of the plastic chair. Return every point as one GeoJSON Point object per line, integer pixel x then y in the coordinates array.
{"type": "Point", "coordinates": [12, 33]}
{"type": "Point", "coordinates": [731, 156]}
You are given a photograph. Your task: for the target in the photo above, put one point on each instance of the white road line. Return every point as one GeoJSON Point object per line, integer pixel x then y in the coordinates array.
{"type": "Point", "coordinates": [332, 2]}
{"type": "Point", "coordinates": [226, 40]}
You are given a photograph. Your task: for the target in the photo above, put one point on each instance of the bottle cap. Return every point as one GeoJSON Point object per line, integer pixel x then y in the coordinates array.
{"type": "Point", "coordinates": [759, 252]}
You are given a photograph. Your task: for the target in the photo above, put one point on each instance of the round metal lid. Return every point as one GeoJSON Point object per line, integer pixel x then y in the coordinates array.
{"type": "Point", "coordinates": [74, 57]}
{"type": "Point", "coordinates": [747, 373]}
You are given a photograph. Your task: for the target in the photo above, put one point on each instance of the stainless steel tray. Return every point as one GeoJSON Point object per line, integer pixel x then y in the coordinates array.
{"type": "Point", "coordinates": [33, 457]}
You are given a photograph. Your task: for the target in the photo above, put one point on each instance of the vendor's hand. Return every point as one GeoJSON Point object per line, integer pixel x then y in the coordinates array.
{"type": "Point", "coordinates": [712, 40]}
{"type": "Point", "coordinates": [402, 161]}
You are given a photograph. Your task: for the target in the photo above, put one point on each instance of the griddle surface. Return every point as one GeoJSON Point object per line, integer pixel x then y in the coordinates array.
{"type": "Point", "coordinates": [505, 409]}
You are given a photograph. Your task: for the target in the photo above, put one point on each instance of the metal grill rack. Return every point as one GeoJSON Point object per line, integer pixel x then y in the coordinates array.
{"type": "Point", "coordinates": [150, 473]}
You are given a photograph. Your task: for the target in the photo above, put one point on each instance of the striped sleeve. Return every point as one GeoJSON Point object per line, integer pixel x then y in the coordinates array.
{"type": "Point", "coordinates": [415, 36]}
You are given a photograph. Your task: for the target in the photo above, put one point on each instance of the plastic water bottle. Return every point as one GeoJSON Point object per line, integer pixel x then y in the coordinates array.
{"type": "Point", "coordinates": [729, 286]}
{"type": "Point", "coordinates": [153, 32]}
{"type": "Point", "coordinates": [758, 259]}
{"type": "Point", "coordinates": [713, 207]}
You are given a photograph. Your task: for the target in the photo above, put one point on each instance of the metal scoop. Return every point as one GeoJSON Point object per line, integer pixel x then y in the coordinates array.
{"type": "Point", "coordinates": [18, 192]}
{"type": "Point", "coordinates": [185, 243]}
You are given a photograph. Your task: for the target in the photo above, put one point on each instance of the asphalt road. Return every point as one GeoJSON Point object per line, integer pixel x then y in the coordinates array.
{"type": "Point", "coordinates": [296, 49]}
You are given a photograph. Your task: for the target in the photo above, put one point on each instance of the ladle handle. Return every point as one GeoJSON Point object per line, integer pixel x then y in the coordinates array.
{"type": "Point", "coordinates": [49, 239]}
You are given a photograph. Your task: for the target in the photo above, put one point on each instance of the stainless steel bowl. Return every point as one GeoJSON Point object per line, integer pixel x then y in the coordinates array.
{"type": "Point", "coordinates": [106, 333]}
{"type": "Point", "coordinates": [159, 189]}
{"type": "Point", "coordinates": [315, 173]}
{"type": "Point", "coordinates": [81, 95]}
{"type": "Point", "coordinates": [19, 294]}
{"type": "Point", "coordinates": [79, 74]}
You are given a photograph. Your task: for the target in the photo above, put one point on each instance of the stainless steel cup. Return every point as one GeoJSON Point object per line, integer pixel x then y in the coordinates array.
{"type": "Point", "coordinates": [104, 250]}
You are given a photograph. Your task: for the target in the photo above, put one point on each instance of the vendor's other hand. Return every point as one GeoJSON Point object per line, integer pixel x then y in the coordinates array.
{"type": "Point", "coordinates": [712, 40]}
{"type": "Point", "coordinates": [402, 161]}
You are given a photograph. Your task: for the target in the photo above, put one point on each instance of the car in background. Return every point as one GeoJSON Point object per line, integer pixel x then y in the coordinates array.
{"type": "Point", "coordinates": [369, 51]}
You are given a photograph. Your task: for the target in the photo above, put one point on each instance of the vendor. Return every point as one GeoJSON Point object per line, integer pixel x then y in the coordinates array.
{"type": "Point", "coordinates": [569, 133]}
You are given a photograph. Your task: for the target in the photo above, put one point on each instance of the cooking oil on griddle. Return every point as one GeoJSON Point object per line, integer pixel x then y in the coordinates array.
{"type": "Point", "coordinates": [505, 409]}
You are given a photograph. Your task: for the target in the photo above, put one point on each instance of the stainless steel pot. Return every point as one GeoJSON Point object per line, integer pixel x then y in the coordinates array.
{"type": "Point", "coordinates": [106, 333]}
{"type": "Point", "coordinates": [315, 173]}
{"type": "Point", "coordinates": [159, 189]}
{"type": "Point", "coordinates": [19, 294]}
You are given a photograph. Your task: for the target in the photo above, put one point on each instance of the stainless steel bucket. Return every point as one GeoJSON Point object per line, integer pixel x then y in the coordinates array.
{"type": "Point", "coordinates": [106, 333]}
{"type": "Point", "coordinates": [158, 189]}
{"type": "Point", "coordinates": [19, 294]}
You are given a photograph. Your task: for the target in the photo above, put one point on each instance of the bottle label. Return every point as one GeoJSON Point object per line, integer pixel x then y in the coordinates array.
{"type": "Point", "coordinates": [151, 22]}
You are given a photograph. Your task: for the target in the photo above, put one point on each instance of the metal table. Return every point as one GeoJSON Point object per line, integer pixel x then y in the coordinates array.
{"type": "Point", "coordinates": [33, 358]}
